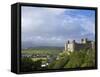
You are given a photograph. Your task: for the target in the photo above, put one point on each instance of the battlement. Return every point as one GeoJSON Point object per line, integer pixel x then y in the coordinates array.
{"type": "Point", "coordinates": [74, 46]}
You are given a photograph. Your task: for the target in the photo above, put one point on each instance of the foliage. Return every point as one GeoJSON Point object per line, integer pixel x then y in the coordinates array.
{"type": "Point", "coordinates": [89, 59]}
{"type": "Point", "coordinates": [27, 64]}
{"type": "Point", "coordinates": [76, 59]}
{"type": "Point", "coordinates": [57, 64]}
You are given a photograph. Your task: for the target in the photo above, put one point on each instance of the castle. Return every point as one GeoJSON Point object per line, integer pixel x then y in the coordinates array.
{"type": "Point", "coordinates": [84, 44]}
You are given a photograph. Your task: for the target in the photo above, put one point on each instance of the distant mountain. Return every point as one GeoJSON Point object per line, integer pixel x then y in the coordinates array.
{"type": "Point", "coordinates": [26, 45]}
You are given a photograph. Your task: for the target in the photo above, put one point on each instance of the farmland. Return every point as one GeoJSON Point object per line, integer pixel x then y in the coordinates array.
{"type": "Point", "coordinates": [43, 51]}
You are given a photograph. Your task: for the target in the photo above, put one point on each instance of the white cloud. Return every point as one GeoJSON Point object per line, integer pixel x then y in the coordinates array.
{"type": "Point", "coordinates": [54, 25]}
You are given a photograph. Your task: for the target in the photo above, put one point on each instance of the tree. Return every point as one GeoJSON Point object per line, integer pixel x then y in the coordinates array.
{"type": "Point", "coordinates": [27, 64]}
{"type": "Point", "coordinates": [76, 59]}
{"type": "Point", "coordinates": [89, 60]}
{"type": "Point", "coordinates": [57, 64]}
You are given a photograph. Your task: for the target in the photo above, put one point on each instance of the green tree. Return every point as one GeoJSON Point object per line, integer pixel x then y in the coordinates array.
{"type": "Point", "coordinates": [27, 64]}
{"type": "Point", "coordinates": [57, 64]}
{"type": "Point", "coordinates": [76, 59]}
{"type": "Point", "coordinates": [89, 60]}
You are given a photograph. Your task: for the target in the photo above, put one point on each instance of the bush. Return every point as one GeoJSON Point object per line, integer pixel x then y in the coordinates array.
{"type": "Point", "coordinates": [57, 64]}
{"type": "Point", "coordinates": [27, 64]}
{"type": "Point", "coordinates": [89, 60]}
{"type": "Point", "coordinates": [76, 59]}
{"type": "Point", "coordinates": [83, 58]}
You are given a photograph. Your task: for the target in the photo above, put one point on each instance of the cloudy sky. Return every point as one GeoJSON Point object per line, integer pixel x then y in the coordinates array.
{"type": "Point", "coordinates": [53, 26]}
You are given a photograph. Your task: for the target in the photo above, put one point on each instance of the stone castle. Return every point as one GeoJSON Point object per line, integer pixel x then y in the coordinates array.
{"type": "Point", "coordinates": [84, 44]}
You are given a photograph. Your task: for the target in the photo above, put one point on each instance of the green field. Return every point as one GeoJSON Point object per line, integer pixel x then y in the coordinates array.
{"type": "Point", "coordinates": [45, 51]}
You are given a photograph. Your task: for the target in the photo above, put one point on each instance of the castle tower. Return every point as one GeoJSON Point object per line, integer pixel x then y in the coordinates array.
{"type": "Point", "coordinates": [66, 45]}
{"type": "Point", "coordinates": [73, 41]}
{"type": "Point", "coordinates": [73, 46]}
{"type": "Point", "coordinates": [84, 41]}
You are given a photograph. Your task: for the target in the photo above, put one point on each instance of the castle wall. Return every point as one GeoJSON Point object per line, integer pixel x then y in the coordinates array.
{"type": "Point", "coordinates": [79, 47]}
{"type": "Point", "coordinates": [66, 47]}
{"type": "Point", "coordinates": [73, 46]}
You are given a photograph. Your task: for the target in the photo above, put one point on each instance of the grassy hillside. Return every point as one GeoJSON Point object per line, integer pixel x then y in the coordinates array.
{"type": "Point", "coordinates": [77, 59]}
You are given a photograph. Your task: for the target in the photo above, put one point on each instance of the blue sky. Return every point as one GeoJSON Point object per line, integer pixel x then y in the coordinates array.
{"type": "Point", "coordinates": [53, 27]}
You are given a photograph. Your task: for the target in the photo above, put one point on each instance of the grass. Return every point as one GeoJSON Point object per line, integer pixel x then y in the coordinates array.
{"type": "Point", "coordinates": [35, 59]}
{"type": "Point", "coordinates": [46, 51]}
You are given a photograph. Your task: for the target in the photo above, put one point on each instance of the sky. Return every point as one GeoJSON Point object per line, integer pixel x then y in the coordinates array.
{"type": "Point", "coordinates": [54, 26]}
